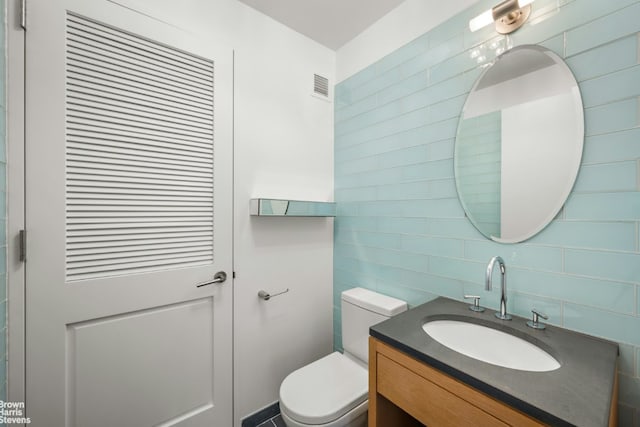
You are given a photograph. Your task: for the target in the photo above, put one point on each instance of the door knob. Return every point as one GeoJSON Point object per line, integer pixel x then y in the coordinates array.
{"type": "Point", "coordinates": [219, 277]}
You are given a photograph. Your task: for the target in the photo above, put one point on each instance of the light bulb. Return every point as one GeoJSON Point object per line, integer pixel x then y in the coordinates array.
{"type": "Point", "coordinates": [482, 20]}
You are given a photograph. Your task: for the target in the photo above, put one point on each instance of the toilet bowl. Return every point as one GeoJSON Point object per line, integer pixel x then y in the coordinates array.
{"type": "Point", "coordinates": [332, 391]}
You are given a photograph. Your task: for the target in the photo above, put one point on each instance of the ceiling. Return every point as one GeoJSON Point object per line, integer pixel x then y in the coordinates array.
{"type": "Point", "coordinates": [329, 22]}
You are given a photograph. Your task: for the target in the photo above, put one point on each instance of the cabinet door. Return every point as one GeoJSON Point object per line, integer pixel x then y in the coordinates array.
{"type": "Point", "coordinates": [429, 396]}
{"type": "Point", "coordinates": [429, 403]}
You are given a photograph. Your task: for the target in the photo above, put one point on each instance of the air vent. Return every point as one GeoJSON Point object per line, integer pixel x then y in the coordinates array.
{"type": "Point", "coordinates": [321, 85]}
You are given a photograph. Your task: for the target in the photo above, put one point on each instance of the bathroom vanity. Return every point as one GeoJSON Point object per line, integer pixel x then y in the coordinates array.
{"type": "Point", "coordinates": [415, 380]}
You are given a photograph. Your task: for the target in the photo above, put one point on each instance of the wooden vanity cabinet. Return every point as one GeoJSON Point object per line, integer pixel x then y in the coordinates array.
{"type": "Point", "coordinates": [406, 392]}
{"type": "Point", "coordinates": [400, 385]}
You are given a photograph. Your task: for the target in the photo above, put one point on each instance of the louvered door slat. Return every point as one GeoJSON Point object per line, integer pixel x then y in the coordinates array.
{"type": "Point", "coordinates": [154, 174]}
{"type": "Point", "coordinates": [126, 253]}
{"type": "Point", "coordinates": [150, 116]}
{"type": "Point", "coordinates": [88, 50]}
{"type": "Point", "coordinates": [139, 169]}
{"type": "Point", "coordinates": [94, 164]}
{"type": "Point", "coordinates": [158, 51]}
{"type": "Point", "coordinates": [91, 47]}
{"type": "Point", "coordinates": [75, 193]}
{"type": "Point", "coordinates": [130, 51]}
{"type": "Point", "coordinates": [85, 114]}
{"type": "Point", "coordinates": [135, 70]}
{"type": "Point", "coordinates": [140, 153]}
{"type": "Point", "coordinates": [117, 144]}
{"type": "Point", "coordinates": [115, 246]}
{"type": "Point", "coordinates": [133, 233]}
{"type": "Point", "coordinates": [118, 225]}
{"type": "Point", "coordinates": [139, 77]}
{"type": "Point", "coordinates": [130, 201]}
{"type": "Point", "coordinates": [119, 263]}
{"type": "Point", "coordinates": [123, 106]}
{"type": "Point", "coordinates": [134, 98]}
{"type": "Point", "coordinates": [131, 182]}
{"type": "Point", "coordinates": [124, 162]}
{"type": "Point", "coordinates": [83, 74]}
{"type": "Point", "coordinates": [93, 271]}
{"type": "Point", "coordinates": [97, 124]}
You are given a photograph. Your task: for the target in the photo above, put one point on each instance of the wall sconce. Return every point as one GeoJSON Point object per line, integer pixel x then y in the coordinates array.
{"type": "Point", "coordinates": [508, 16]}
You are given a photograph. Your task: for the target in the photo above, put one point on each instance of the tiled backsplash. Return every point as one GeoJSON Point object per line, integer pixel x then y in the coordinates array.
{"type": "Point", "coordinates": [400, 228]}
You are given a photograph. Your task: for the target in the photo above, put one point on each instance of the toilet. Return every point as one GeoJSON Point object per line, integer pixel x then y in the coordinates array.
{"type": "Point", "coordinates": [332, 391]}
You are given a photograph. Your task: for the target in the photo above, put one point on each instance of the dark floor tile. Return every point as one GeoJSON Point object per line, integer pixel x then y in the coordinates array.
{"type": "Point", "coordinates": [263, 417]}
{"type": "Point", "coordinates": [278, 421]}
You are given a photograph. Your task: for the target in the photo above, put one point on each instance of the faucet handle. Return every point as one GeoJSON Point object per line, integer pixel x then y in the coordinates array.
{"type": "Point", "coordinates": [476, 303]}
{"type": "Point", "coordinates": [535, 323]}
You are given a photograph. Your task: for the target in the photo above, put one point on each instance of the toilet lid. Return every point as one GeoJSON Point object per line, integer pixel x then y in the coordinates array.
{"type": "Point", "coordinates": [324, 390]}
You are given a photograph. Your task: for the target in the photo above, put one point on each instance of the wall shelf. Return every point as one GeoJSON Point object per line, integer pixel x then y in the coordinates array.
{"type": "Point", "coordinates": [296, 208]}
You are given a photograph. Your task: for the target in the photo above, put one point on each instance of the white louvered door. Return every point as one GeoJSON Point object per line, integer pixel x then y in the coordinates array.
{"type": "Point", "coordinates": [128, 209]}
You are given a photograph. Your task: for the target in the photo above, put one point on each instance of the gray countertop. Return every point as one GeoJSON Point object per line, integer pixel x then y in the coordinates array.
{"type": "Point", "coordinates": [578, 393]}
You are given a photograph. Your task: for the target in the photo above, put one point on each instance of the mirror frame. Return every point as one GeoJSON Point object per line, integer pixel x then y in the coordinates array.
{"type": "Point", "coordinates": [574, 163]}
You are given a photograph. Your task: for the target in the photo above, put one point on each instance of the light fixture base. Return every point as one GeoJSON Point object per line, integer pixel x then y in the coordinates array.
{"type": "Point", "coordinates": [513, 20]}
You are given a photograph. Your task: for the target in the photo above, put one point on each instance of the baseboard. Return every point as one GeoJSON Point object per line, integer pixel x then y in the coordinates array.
{"type": "Point", "coordinates": [262, 415]}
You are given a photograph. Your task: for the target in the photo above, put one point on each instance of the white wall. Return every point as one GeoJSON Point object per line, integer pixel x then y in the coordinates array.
{"type": "Point", "coordinates": [397, 28]}
{"type": "Point", "coordinates": [283, 149]}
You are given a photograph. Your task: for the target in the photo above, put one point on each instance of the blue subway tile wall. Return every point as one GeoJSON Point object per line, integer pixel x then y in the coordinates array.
{"type": "Point", "coordinates": [400, 228]}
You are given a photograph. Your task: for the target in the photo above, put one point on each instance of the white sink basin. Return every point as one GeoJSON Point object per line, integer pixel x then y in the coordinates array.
{"type": "Point", "coordinates": [490, 345]}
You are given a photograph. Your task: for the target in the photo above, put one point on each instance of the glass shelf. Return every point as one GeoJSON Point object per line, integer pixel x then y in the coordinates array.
{"type": "Point", "coordinates": [277, 207]}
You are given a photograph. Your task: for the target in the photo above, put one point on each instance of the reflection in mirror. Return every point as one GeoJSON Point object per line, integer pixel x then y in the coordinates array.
{"type": "Point", "coordinates": [519, 144]}
{"type": "Point", "coordinates": [276, 207]}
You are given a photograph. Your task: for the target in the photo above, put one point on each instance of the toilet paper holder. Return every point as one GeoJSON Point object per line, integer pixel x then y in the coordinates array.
{"type": "Point", "coordinates": [262, 294]}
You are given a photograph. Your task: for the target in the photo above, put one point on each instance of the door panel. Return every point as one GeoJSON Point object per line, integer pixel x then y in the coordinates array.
{"type": "Point", "coordinates": [128, 208]}
{"type": "Point", "coordinates": [128, 355]}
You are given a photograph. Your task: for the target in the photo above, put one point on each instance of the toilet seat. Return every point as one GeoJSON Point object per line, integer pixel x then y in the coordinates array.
{"type": "Point", "coordinates": [325, 390]}
{"type": "Point", "coordinates": [355, 418]}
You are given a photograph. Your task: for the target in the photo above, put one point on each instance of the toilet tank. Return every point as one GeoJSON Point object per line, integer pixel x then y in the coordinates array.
{"type": "Point", "coordinates": [361, 309]}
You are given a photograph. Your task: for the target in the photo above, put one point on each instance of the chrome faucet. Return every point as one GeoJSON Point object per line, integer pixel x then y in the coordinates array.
{"type": "Point", "coordinates": [503, 292]}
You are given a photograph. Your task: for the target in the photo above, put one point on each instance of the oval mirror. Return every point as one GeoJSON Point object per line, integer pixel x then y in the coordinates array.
{"type": "Point", "coordinates": [519, 144]}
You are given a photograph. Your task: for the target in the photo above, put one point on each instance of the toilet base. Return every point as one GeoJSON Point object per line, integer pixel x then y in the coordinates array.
{"type": "Point", "coordinates": [357, 417]}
